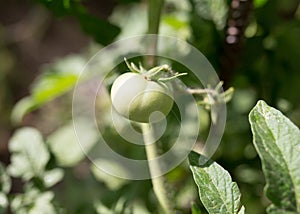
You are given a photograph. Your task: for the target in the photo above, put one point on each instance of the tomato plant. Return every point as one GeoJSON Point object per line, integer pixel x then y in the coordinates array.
{"type": "Point", "coordinates": [252, 44]}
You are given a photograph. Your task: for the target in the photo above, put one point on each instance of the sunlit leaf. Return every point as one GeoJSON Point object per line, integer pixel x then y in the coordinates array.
{"type": "Point", "coordinates": [112, 182]}
{"type": "Point", "coordinates": [242, 210]}
{"type": "Point", "coordinates": [52, 177]}
{"type": "Point", "coordinates": [5, 182]}
{"type": "Point", "coordinates": [277, 141]}
{"type": "Point", "coordinates": [56, 80]}
{"type": "Point", "coordinates": [259, 3]}
{"type": "Point", "coordinates": [214, 10]}
{"type": "Point", "coordinates": [29, 154]}
{"type": "Point", "coordinates": [102, 209]}
{"type": "Point", "coordinates": [174, 24]}
{"type": "Point", "coordinates": [52, 85]}
{"type": "Point", "coordinates": [3, 202]}
{"type": "Point", "coordinates": [218, 193]}
{"type": "Point", "coordinates": [65, 145]}
{"type": "Point", "coordinates": [5, 185]}
{"type": "Point", "coordinates": [21, 108]}
{"type": "Point", "coordinates": [33, 202]}
{"type": "Point", "coordinates": [275, 210]}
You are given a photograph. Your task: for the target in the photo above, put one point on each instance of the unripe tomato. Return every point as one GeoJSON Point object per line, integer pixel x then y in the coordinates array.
{"type": "Point", "coordinates": [136, 98]}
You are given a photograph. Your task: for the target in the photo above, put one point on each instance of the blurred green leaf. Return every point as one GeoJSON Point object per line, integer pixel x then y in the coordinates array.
{"type": "Point", "coordinates": [46, 88]}
{"type": "Point", "coordinates": [3, 202]}
{"type": "Point", "coordinates": [128, 1]}
{"type": "Point", "coordinates": [259, 3]}
{"type": "Point", "coordinates": [138, 208]}
{"type": "Point", "coordinates": [242, 210]}
{"type": "Point", "coordinates": [100, 29]}
{"type": "Point", "coordinates": [217, 191]}
{"type": "Point", "coordinates": [56, 80]}
{"type": "Point", "coordinates": [66, 146]}
{"type": "Point", "coordinates": [52, 85]}
{"type": "Point", "coordinates": [172, 24]}
{"type": "Point", "coordinates": [111, 182]}
{"type": "Point", "coordinates": [5, 182]}
{"type": "Point", "coordinates": [102, 209]}
{"type": "Point", "coordinates": [5, 185]}
{"type": "Point", "coordinates": [275, 210]}
{"type": "Point", "coordinates": [243, 100]}
{"type": "Point", "coordinates": [173, 21]}
{"type": "Point", "coordinates": [119, 207]}
{"type": "Point", "coordinates": [61, 7]}
{"type": "Point", "coordinates": [33, 202]}
{"type": "Point", "coordinates": [21, 108]}
{"type": "Point", "coordinates": [195, 209]}
{"type": "Point", "coordinates": [214, 10]}
{"type": "Point", "coordinates": [52, 177]}
{"type": "Point", "coordinates": [277, 141]}
{"type": "Point", "coordinates": [29, 154]}
{"type": "Point", "coordinates": [123, 16]}
{"type": "Point", "coordinates": [187, 192]}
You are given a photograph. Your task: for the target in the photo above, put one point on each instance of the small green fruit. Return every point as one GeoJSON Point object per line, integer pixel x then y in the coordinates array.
{"type": "Point", "coordinates": [137, 98]}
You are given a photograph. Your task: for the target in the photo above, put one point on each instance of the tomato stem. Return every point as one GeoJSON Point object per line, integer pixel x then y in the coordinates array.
{"type": "Point", "coordinates": [159, 184]}
{"type": "Point", "coordinates": [158, 181]}
{"type": "Point", "coordinates": [154, 13]}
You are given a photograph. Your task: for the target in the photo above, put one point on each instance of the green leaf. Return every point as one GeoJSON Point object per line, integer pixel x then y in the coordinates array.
{"type": "Point", "coordinates": [259, 3]}
{"type": "Point", "coordinates": [65, 146]}
{"type": "Point", "coordinates": [110, 181]}
{"type": "Point", "coordinates": [61, 7]}
{"type": "Point", "coordinates": [102, 209]}
{"type": "Point", "coordinates": [29, 154]}
{"type": "Point", "coordinates": [21, 108]}
{"type": "Point", "coordinates": [3, 202]}
{"type": "Point", "coordinates": [5, 185]}
{"type": "Point", "coordinates": [217, 191]}
{"type": "Point", "coordinates": [128, 1]}
{"type": "Point", "coordinates": [56, 80]}
{"type": "Point", "coordinates": [120, 207]}
{"type": "Point", "coordinates": [214, 10]}
{"type": "Point", "coordinates": [52, 85]}
{"type": "Point", "coordinates": [275, 210]}
{"type": "Point", "coordinates": [171, 24]}
{"type": "Point", "coordinates": [100, 29]}
{"type": "Point", "coordinates": [52, 177]}
{"type": "Point", "coordinates": [5, 182]}
{"type": "Point", "coordinates": [195, 209]}
{"type": "Point", "coordinates": [33, 202]}
{"type": "Point", "coordinates": [277, 141]}
{"type": "Point", "coordinates": [242, 210]}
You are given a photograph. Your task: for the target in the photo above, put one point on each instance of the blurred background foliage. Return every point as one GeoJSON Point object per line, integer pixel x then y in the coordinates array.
{"type": "Point", "coordinates": [253, 45]}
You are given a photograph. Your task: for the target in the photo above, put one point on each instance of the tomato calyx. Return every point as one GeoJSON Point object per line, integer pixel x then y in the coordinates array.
{"type": "Point", "coordinates": [161, 73]}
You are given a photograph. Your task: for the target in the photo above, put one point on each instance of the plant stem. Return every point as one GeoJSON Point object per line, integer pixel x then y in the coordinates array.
{"type": "Point", "coordinates": [154, 13]}
{"type": "Point", "coordinates": [159, 183]}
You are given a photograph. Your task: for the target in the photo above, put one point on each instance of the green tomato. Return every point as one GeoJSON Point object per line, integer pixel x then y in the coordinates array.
{"type": "Point", "coordinates": [137, 98]}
